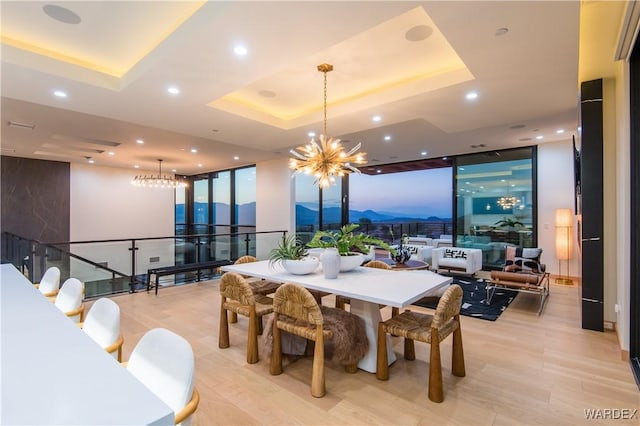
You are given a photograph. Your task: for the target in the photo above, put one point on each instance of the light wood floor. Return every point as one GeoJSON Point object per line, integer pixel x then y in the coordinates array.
{"type": "Point", "coordinates": [521, 369]}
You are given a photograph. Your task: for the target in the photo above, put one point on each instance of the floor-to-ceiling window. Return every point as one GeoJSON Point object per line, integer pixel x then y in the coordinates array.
{"type": "Point", "coordinates": [307, 201]}
{"type": "Point", "coordinates": [495, 202]}
{"type": "Point", "coordinates": [417, 202]}
{"type": "Point", "coordinates": [200, 219]}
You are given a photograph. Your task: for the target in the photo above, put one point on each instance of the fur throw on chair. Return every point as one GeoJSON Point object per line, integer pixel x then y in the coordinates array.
{"type": "Point", "coordinates": [348, 345]}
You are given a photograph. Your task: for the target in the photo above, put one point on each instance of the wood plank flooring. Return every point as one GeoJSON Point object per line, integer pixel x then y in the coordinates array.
{"type": "Point", "coordinates": [521, 369]}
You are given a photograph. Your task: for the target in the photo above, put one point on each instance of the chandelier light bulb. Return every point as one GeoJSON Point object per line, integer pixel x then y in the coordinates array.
{"type": "Point", "coordinates": [159, 181]}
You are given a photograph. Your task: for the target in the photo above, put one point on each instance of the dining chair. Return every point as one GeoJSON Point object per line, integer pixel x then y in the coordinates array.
{"type": "Point", "coordinates": [342, 300]}
{"type": "Point", "coordinates": [163, 362]}
{"type": "Point", "coordinates": [430, 329]}
{"type": "Point", "coordinates": [258, 285]}
{"type": "Point", "coordinates": [296, 311]}
{"type": "Point", "coordinates": [69, 299]}
{"type": "Point", "coordinates": [102, 324]}
{"type": "Point", "coordinates": [236, 296]}
{"type": "Point", "coordinates": [49, 285]}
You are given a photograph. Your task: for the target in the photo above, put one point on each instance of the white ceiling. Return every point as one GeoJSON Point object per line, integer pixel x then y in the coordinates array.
{"type": "Point", "coordinates": [117, 62]}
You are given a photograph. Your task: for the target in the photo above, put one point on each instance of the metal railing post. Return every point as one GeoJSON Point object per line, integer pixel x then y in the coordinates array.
{"type": "Point", "coordinates": [133, 280]}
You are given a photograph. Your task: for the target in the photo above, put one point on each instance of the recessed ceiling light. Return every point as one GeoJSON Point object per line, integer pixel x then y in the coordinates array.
{"type": "Point", "coordinates": [139, 141]}
{"type": "Point", "coordinates": [423, 153]}
{"type": "Point", "coordinates": [136, 166]}
{"type": "Point", "coordinates": [311, 134]}
{"type": "Point", "coordinates": [418, 33]}
{"type": "Point", "coordinates": [60, 94]}
{"type": "Point", "coordinates": [236, 158]}
{"type": "Point", "coordinates": [471, 96]}
{"type": "Point", "coordinates": [502, 31]}
{"type": "Point", "coordinates": [61, 14]}
{"type": "Point", "coordinates": [378, 171]}
{"type": "Point", "coordinates": [173, 170]}
{"type": "Point", "coordinates": [376, 118]}
{"type": "Point", "coordinates": [173, 90]}
{"type": "Point", "coordinates": [111, 153]}
{"type": "Point", "coordinates": [387, 137]}
{"type": "Point", "coordinates": [539, 137]}
{"type": "Point", "coordinates": [199, 165]}
{"type": "Point", "coordinates": [240, 50]}
{"type": "Point", "coordinates": [193, 150]}
{"type": "Point", "coordinates": [267, 93]}
{"type": "Point", "coordinates": [91, 160]}
{"type": "Point", "coordinates": [559, 131]}
{"type": "Point", "coordinates": [445, 158]}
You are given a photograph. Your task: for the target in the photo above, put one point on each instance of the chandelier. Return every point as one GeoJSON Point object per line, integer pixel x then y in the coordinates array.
{"type": "Point", "coordinates": [508, 201]}
{"type": "Point", "coordinates": [327, 159]}
{"type": "Point", "coordinates": [159, 181]}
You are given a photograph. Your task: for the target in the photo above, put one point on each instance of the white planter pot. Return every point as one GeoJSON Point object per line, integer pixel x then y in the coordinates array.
{"type": "Point", "coordinates": [350, 262]}
{"type": "Point", "coordinates": [301, 267]}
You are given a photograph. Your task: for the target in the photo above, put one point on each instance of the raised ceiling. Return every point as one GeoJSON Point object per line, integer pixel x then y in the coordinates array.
{"type": "Point", "coordinates": [411, 63]}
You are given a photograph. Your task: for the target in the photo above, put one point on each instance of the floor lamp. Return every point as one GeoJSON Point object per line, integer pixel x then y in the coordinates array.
{"type": "Point", "coordinates": [564, 225]}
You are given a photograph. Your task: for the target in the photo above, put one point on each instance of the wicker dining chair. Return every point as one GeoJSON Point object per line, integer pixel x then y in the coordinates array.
{"type": "Point", "coordinates": [296, 311]}
{"type": "Point", "coordinates": [236, 296]}
{"type": "Point", "coordinates": [430, 329]}
{"type": "Point", "coordinates": [342, 300]}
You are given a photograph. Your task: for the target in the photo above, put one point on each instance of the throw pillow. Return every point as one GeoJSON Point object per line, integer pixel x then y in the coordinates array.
{"type": "Point", "coordinates": [520, 259]}
{"type": "Point", "coordinates": [455, 254]}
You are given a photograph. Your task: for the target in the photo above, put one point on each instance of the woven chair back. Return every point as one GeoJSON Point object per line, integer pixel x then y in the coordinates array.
{"type": "Point", "coordinates": [296, 302]}
{"type": "Point", "coordinates": [377, 264]}
{"type": "Point", "coordinates": [245, 259]}
{"type": "Point", "coordinates": [233, 286]}
{"type": "Point", "coordinates": [448, 306]}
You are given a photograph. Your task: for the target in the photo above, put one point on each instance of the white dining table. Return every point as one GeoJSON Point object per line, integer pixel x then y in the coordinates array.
{"type": "Point", "coordinates": [52, 373]}
{"type": "Point", "coordinates": [366, 287]}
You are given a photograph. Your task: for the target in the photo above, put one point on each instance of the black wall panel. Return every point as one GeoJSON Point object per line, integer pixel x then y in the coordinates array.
{"type": "Point", "coordinates": [591, 151]}
{"type": "Point", "coordinates": [35, 197]}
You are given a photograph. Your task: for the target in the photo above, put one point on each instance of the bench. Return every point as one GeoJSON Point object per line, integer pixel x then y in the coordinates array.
{"type": "Point", "coordinates": [176, 269]}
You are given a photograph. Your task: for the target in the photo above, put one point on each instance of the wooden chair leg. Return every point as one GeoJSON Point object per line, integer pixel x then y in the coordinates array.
{"type": "Point", "coordinates": [351, 368]}
{"type": "Point", "coordinates": [317, 376]}
{"type": "Point", "coordinates": [339, 303]}
{"type": "Point", "coordinates": [233, 318]}
{"type": "Point", "coordinates": [275, 366]}
{"type": "Point", "coordinates": [457, 357]}
{"type": "Point", "coordinates": [382, 362]}
{"type": "Point", "coordinates": [260, 326]}
{"type": "Point", "coordinates": [409, 349]}
{"type": "Point", "coordinates": [252, 338]}
{"type": "Point", "coordinates": [435, 369]}
{"type": "Point", "coordinates": [120, 353]}
{"type": "Point", "coordinates": [223, 333]}
{"type": "Point", "coordinates": [395, 311]}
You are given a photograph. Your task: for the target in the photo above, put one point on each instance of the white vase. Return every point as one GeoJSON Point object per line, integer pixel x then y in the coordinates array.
{"type": "Point", "coordinates": [330, 260]}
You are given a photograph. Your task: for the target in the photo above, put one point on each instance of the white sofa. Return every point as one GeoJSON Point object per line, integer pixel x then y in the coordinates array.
{"type": "Point", "coordinates": [419, 252]}
{"type": "Point", "coordinates": [456, 259]}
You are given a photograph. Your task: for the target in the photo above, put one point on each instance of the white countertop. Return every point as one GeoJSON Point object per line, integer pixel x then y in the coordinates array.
{"type": "Point", "coordinates": [53, 373]}
{"type": "Point", "coordinates": [387, 287]}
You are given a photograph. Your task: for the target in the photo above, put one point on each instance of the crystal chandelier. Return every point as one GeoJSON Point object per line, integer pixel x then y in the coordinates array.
{"type": "Point", "coordinates": [508, 201]}
{"type": "Point", "coordinates": [327, 159]}
{"type": "Point", "coordinates": [159, 181]}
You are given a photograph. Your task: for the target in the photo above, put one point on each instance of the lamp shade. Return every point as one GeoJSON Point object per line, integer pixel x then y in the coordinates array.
{"type": "Point", "coordinates": [564, 217]}
{"type": "Point", "coordinates": [564, 224]}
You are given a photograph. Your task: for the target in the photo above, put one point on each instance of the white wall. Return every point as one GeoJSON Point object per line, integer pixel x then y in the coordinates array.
{"type": "Point", "coordinates": [275, 202]}
{"type": "Point", "coordinates": [104, 205]}
{"type": "Point", "coordinates": [556, 190]}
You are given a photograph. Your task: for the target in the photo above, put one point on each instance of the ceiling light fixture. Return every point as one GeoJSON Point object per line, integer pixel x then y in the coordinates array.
{"type": "Point", "coordinates": [159, 181]}
{"type": "Point", "coordinates": [59, 94]}
{"type": "Point", "coordinates": [508, 201]}
{"type": "Point", "coordinates": [471, 96]}
{"type": "Point", "coordinates": [376, 118]}
{"type": "Point", "coordinates": [173, 90]}
{"type": "Point", "coordinates": [17, 125]}
{"type": "Point", "coordinates": [327, 159]}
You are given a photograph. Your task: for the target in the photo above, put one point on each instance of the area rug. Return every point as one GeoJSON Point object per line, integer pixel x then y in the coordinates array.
{"type": "Point", "coordinates": [474, 299]}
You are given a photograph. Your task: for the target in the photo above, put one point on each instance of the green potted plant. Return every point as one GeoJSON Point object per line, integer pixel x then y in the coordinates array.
{"type": "Point", "coordinates": [348, 243]}
{"type": "Point", "coordinates": [508, 223]}
{"type": "Point", "coordinates": [293, 256]}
